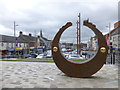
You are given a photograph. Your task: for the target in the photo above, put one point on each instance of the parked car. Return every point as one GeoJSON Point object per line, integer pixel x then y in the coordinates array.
{"type": "Point", "coordinates": [66, 54]}
{"type": "Point", "coordinates": [41, 56]}
{"type": "Point", "coordinates": [26, 56]}
{"type": "Point", "coordinates": [49, 54]}
{"type": "Point", "coordinates": [33, 55]}
{"type": "Point", "coordinates": [75, 56]}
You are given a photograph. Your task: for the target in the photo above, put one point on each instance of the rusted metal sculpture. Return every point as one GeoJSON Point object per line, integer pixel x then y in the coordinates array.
{"type": "Point", "coordinates": [85, 68]}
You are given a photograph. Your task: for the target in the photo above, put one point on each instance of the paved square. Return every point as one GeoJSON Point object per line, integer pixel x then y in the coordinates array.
{"type": "Point", "coordinates": [47, 75]}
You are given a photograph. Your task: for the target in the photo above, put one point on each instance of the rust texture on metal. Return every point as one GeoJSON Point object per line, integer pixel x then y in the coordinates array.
{"type": "Point", "coordinates": [85, 68]}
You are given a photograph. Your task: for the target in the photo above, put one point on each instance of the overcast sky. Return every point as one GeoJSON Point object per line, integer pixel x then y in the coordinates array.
{"type": "Point", "coordinates": [50, 15]}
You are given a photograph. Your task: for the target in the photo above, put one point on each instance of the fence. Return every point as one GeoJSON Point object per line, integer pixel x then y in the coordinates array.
{"type": "Point", "coordinates": [113, 58]}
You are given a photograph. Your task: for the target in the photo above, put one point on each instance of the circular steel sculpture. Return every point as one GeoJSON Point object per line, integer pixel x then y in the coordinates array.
{"type": "Point", "coordinates": [83, 69]}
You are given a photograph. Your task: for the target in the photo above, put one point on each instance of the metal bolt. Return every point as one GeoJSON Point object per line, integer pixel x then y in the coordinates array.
{"type": "Point", "coordinates": [55, 49]}
{"type": "Point", "coordinates": [103, 49]}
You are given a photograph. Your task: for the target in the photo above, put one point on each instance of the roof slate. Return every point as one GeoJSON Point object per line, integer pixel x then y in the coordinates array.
{"type": "Point", "coordinates": [12, 39]}
{"type": "Point", "coordinates": [27, 38]}
{"type": "Point", "coordinates": [5, 38]}
{"type": "Point", "coordinates": [116, 31]}
{"type": "Point", "coordinates": [20, 39]}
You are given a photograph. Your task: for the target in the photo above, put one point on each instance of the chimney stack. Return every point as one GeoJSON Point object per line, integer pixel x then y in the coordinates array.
{"type": "Point", "coordinates": [38, 36]}
{"type": "Point", "coordinates": [30, 34]}
{"type": "Point", "coordinates": [20, 33]}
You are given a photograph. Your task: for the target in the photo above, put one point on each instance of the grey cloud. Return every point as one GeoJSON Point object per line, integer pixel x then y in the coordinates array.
{"type": "Point", "coordinates": [53, 15]}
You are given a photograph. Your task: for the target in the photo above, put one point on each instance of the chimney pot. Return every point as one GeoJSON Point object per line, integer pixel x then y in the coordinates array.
{"type": "Point", "coordinates": [20, 33]}
{"type": "Point", "coordinates": [30, 34]}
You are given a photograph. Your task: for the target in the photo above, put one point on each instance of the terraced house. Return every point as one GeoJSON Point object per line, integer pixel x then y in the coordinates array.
{"type": "Point", "coordinates": [23, 44]}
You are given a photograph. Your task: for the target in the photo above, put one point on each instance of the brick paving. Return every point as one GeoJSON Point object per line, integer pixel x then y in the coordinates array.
{"type": "Point", "coordinates": [47, 75]}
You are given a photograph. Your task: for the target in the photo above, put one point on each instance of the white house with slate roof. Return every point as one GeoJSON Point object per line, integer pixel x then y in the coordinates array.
{"type": "Point", "coordinates": [8, 44]}
{"type": "Point", "coordinates": [22, 44]}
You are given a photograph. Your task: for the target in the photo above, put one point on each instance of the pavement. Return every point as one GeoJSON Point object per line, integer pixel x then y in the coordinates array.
{"type": "Point", "coordinates": [47, 75]}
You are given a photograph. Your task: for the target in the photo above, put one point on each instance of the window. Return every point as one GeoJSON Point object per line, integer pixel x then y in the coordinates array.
{"type": "Point", "coordinates": [2, 44]}
{"type": "Point", "coordinates": [118, 38]}
{"type": "Point", "coordinates": [7, 45]}
{"type": "Point", "coordinates": [22, 44]}
{"type": "Point", "coordinates": [19, 44]}
{"type": "Point", "coordinates": [114, 38]}
{"type": "Point", "coordinates": [118, 45]}
{"type": "Point", "coordinates": [12, 45]}
{"type": "Point", "coordinates": [115, 45]}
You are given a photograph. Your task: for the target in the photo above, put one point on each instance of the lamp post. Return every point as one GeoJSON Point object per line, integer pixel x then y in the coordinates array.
{"type": "Point", "coordinates": [15, 28]}
{"type": "Point", "coordinates": [109, 26]}
{"type": "Point", "coordinates": [109, 35]}
{"type": "Point", "coordinates": [110, 43]}
{"type": "Point", "coordinates": [15, 34]}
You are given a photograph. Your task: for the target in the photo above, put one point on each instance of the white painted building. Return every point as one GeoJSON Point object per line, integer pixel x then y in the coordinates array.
{"type": "Point", "coordinates": [93, 43]}
{"type": "Point", "coordinates": [115, 38]}
{"type": "Point", "coordinates": [22, 44]}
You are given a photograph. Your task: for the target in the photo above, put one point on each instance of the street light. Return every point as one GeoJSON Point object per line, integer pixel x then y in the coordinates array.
{"type": "Point", "coordinates": [15, 28]}
{"type": "Point", "coordinates": [14, 34]}
{"type": "Point", "coordinates": [110, 43]}
{"type": "Point", "coordinates": [109, 35]}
